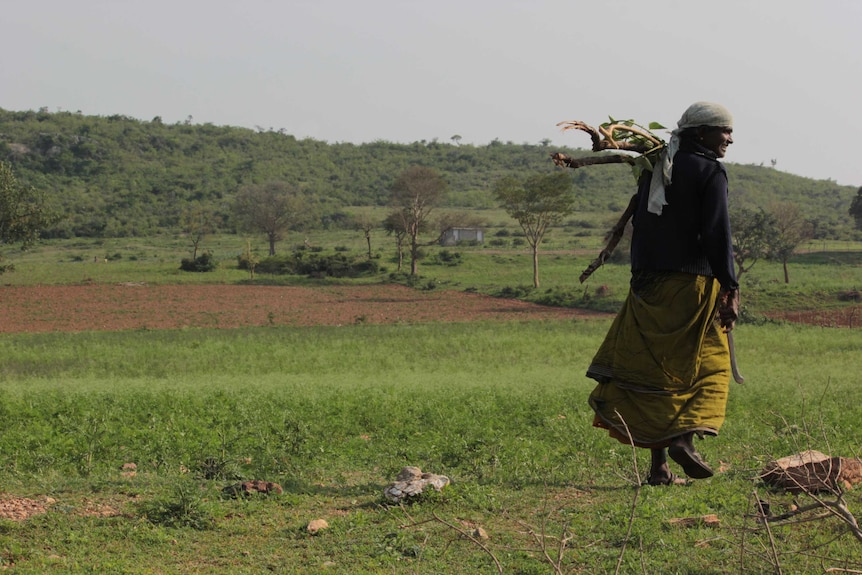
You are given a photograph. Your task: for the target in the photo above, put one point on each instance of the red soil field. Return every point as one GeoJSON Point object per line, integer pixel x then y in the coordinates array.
{"type": "Point", "coordinates": [33, 309]}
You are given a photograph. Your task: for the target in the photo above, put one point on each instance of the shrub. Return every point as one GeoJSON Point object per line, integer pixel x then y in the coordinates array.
{"type": "Point", "coordinates": [514, 292]}
{"type": "Point", "coordinates": [446, 258]}
{"type": "Point", "coordinates": [244, 261]}
{"type": "Point", "coordinates": [558, 298]}
{"type": "Point", "coordinates": [309, 263]}
{"type": "Point", "coordinates": [202, 263]}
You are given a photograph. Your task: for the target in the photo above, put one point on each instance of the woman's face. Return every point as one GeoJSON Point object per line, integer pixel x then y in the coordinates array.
{"type": "Point", "coordinates": [717, 140]}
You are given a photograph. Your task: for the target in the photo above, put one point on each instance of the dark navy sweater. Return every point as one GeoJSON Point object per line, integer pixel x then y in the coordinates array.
{"type": "Point", "coordinates": [692, 234]}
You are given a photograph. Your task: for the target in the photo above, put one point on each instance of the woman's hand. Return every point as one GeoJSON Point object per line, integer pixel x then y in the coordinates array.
{"type": "Point", "coordinates": [728, 308]}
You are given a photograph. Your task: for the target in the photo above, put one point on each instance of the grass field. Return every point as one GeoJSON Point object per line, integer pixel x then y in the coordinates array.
{"type": "Point", "coordinates": [333, 413]}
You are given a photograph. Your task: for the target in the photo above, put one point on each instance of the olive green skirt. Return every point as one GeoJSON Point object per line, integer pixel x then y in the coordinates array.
{"type": "Point", "coordinates": [664, 366]}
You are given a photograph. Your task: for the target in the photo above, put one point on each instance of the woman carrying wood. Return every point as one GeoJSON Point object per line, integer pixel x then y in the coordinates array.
{"type": "Point", "coordinates": [664, 366]}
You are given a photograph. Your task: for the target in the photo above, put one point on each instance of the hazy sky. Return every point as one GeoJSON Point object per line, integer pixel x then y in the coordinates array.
{"type": "Point", "coordinates": [405, 70]}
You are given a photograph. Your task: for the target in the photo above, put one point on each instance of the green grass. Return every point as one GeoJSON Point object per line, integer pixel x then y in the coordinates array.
{"type": "Point", "coordinates": [333, 413]}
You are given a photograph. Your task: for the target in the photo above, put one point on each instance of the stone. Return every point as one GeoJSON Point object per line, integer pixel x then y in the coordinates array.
{"type": "Point", "coordinates": [250, 487]}
{"type": "Point", "coordinates": [812, 471]}
{"type": "Point", "coordinates": [409, 474]}
{"type": "Point", "coordinates": [411, 482]}
{"type": "Point", "coordinates": [315, 526]}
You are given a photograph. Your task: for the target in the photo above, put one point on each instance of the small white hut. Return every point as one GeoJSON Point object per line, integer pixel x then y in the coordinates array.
{"type": "Point", "coordinates": [454, 236]}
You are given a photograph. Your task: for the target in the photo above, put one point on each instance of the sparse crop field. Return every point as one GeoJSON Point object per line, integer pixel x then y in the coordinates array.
{"type": "Point", "coordinates": [128, 406]}
{"type": "Point", "coordinates": [127, 306]}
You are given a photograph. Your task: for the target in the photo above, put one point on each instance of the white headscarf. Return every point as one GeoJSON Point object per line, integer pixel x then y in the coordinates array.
{"type": "Point", "coordinates": [698, 114]}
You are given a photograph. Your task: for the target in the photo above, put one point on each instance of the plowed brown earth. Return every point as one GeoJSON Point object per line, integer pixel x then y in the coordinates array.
{"type": "Point", "coordinates": [136, 306]}
{"type": "Point", "coordinates": [842, 317]}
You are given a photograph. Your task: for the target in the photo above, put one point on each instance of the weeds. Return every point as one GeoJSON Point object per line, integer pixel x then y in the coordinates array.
{"type": "Point", "coordinates": [184, 509]}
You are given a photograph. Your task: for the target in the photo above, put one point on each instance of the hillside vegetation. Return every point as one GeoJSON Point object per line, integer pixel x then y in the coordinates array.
{"type": "Point", "coordinates": [118, 176]}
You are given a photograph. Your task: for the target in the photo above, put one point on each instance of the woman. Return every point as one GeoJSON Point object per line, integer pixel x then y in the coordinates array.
{"type": "Point", "coordinates": [664, 367]}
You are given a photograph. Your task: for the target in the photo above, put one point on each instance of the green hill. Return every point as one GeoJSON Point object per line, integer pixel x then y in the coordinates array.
{"type": "Point", "coordinates": [117, 176]}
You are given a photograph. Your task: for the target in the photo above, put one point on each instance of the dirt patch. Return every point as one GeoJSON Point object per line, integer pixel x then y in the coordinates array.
{"type": "Point", "coordinates": [32, 309]}
{"type": "Point", "coordinates": [839, 317]}
{"type": "Point", "coordinates": [21, 508]}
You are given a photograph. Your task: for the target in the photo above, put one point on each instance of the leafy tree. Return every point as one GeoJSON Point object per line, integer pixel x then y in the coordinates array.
{"type": "Point", "coordinates": [855, 210]}
{"type": "Point", "coordinates": [788, 231]}
{"type": "Point", "coordinates": [415, 193]}
{"type": "Point", "coordinates": [536, 203]}
{"type": "Point", "coordinates": [272, 208]}
{"type": "Point", "coordinates": [23, 212]}
{"type": "Point", "coordinates": [752, 231]}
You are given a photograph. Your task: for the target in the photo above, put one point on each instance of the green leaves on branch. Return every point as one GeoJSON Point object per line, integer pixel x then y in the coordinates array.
{"type": "Point", "coordinates": [634, 134]}
{"type": "Point", "coordinates": [637, 137]}
{"type": "Point", "coordinates": [619, 135]}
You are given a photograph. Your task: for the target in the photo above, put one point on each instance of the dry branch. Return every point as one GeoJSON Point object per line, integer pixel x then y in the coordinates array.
{"type": "Point", "coordinates": [624, 136]}
{"type": "Point", "coordinates": [562, 160]}
{"type": "Point", "coordinates": [614, 237]}
{"type": "Point", "coordinates": [604, 138]}
{"type": "Point", "coordinates": [478, 543]}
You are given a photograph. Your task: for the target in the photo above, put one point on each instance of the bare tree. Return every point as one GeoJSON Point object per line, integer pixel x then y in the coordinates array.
{"type": "Point", "coordinates": [790, 229]}
{"type": "Point", "coordinates": [272, 208]}
{"type": "Point", "coordinates": [415, 194]}
{"type": "Point", "coordinates": [394, 226]}
{"type": "Point", "coordinates": [536, 203]}
{"type": "Point", "coordinates": [196, 221]}
{"type": "Point", "coordinates": [366, 224]}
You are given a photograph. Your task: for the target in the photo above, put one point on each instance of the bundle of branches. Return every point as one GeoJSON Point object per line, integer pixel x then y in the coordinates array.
{"type": "Point", "coordinates": [625, 136]}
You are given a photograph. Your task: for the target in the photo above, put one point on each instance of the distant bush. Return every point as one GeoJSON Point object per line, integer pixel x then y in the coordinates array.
{"type": "Point", "coordinates": [244, 263]}
{"type": "Point", "coordinates": [573, 223]}
{"type": "Point", "coordinates": [518, 292]}
{"type": "Point", "coordinates": [558, 298]}
{"type": "Point", "coordinates": [202, 263]}
{"type": "Point", "coordinates": [446, 258]}
{"type": "Point", "coordinates": [313, 264]}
